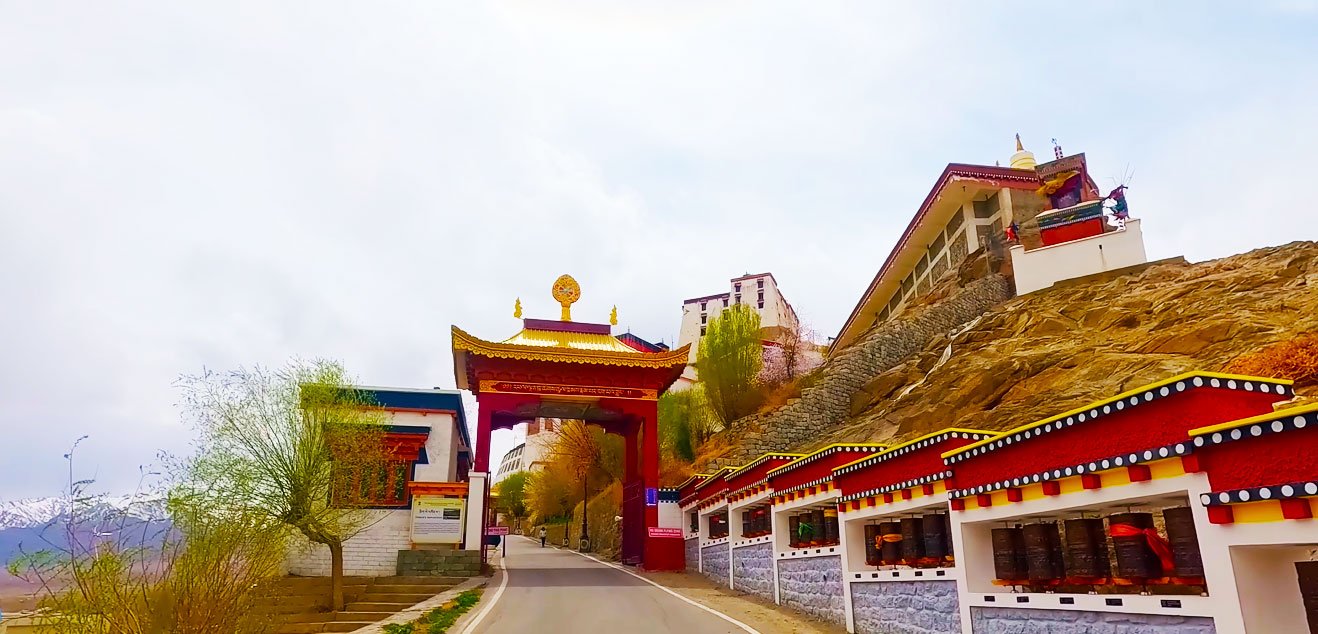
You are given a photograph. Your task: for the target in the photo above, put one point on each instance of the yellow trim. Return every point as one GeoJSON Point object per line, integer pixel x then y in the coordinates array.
{"type": "Point", "coordinates": [1115, 477]}
{"type": "Point", "coordinates": [1260, 512]}
{"type": "Point", "coordinates": [1124, 395]}
{"type": "Point", "coordinates": [722, 471]}
{"type": "Point", "coordinates": [693, 477]}
{"type": "Point", "coordinates": [894, 448]}
{"type": "Point", "coordinates": [1261, 418]}
{"type": "Point", "coordinates": [756, 462]}
{"type": "Point", "coordinates": [821, 450]}
{"type": "Point", "coordinates": [464, 342]}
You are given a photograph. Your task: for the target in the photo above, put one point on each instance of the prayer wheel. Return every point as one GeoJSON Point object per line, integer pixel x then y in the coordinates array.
{"type": "Point", "coordinates": [1009, 554]}
{"type": "Point", "coordinates": [830, 526]}
{"type": "Point", "coordinates": [947, 527]}
{"type": "Point", "coordinates": [873, 540]}
{"type": "Point", "coordinates": [1043, 551]}
{"type": "Point", "coordinates": [817, 523]}
{"type": "Point", "coordinates": [912, 539]}
{"type": "Point", "coordinates": [1086, 549]}
{"type": "Point", "coordinates": [794, 531]}
{"type": "Point", "coordinates": [891, 533]}
{"type": "Point", "coordinates": [1184, 540]}
{"type": "Point", "coordinates": [747, 524]}
{"type": "Point", "coordinates": [1135, 558]}
{"type": "Point", "coordinates": [935, 536]}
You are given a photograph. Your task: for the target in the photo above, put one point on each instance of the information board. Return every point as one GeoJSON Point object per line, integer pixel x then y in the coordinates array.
{"type": "Point", "coordinates": [496, 530]}
{"type": "Point", "coordinates": [658, 531]}
{"type": "Point", "coordinates": [437, 520]}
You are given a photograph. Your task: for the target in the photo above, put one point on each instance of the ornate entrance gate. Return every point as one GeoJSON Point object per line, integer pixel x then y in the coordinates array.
{"type": "Point", "coordinates": [574, 370]}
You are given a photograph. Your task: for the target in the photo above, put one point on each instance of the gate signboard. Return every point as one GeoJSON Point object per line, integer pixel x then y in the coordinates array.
{"type": "Point", "coordinates": [496, 530]}
{"type": "Point", "coordinates": [436, 520]}
{"type": "Point", "coordinates": [659, 531]}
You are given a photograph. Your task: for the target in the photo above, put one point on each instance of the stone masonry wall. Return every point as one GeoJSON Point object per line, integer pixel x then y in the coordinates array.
{"type": "Point", "coordinates": [813, 585]}
{"type": "Point", "coordinates": [371, 553]}
{"type": "Point", "coordinates": [752, 570]}
{"type": "Point", "coordinates": [1018, 621]}
{"type": "Point", "coordinates": [693, 554]}
{"type": "Point", "coordinates": [899, 607]}
{"type": "Point", "coordinates": [439, 563]}
{"type": "Point", "coordinates": [827, 402]}
{"type": "Point", "coordinates": [715, 561]}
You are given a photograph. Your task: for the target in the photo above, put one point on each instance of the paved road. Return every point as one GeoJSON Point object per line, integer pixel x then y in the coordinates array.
{"type": "Point", "coordinates": [551, 590]}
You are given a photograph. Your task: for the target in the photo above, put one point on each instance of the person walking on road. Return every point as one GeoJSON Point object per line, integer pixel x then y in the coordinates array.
{"type": "Point", "coordinates": [543, 535]}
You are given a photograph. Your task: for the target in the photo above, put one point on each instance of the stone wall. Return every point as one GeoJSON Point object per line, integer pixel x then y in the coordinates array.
{"type": "Point", "coordinates": [813, 585]}
{"type": "Point", "coordinates": [1018, 621]}
{"type": "Point", "coordinates": [714, 559]}
{"type": "Point", "coordinates": [693, 554]}
{"type": "Point", "coordinates": [804, 421]}
{"type": "Point", "coordinates": [439, 563]}
{"type": "Point", "coordinates": [371, 553]}
{"type": "Point", "coordinates": [899, 607]}
{"type": "Point", "coordinates": [752, 570]}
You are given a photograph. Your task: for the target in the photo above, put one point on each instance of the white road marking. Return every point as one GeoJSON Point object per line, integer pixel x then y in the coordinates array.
{"type": "Point", "coordinates": [706, 608]}
{"type": "Point", "coordinates": [480, 616]}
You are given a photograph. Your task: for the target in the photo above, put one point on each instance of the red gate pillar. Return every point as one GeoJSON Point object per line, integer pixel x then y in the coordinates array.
{"type": "Point", "coordinates": [661, 553]}
{"type": "Point", "coordinates": [633, 500]}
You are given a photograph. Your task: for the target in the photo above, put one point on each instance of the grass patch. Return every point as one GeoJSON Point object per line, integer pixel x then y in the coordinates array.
{"type": "Point", "coordinates": [438, 620]}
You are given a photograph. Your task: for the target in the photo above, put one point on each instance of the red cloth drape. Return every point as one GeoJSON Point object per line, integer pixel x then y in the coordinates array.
{"type": "Point", "coordinates": [1161, 547]}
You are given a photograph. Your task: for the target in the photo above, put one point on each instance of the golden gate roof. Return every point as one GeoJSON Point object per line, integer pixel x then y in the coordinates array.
{"type": "Point", "coordinates": [567, 347]}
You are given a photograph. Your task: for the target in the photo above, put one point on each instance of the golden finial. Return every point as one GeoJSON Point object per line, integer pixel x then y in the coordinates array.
{"type": "Point", "coordinates": [567, 292]}
{"type": "Point", "coordinates": [613, 316]}
{"type": "Point", "coordinates": [517, 309]}
{"type": "Point", "coordinates": [1019, 147]}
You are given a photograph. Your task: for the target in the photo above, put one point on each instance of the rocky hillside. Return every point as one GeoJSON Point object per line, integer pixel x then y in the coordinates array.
{"type": "Point", "coordinates": [1060, 348]}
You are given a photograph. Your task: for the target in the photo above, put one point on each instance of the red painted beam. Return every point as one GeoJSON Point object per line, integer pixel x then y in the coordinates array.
{"type": "Point", "coordinates": [1221, 515]}
{"type": "Point", "coordinates": [957, 504]}
{"type": "Point", "coordinates": [984, 499]}
{"type": "Point", "coordinates": [1141, 473]}
{"type": "Point", "coordinates": [1091, 481]}
{"type": "Point", "coordinates": [1051, 487]}
{"type": "Point", "coordinates": [1296, 509]}
{"type": "Point", "coordinates": [1014, 495]}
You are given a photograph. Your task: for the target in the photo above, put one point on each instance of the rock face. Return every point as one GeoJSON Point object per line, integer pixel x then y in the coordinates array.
{"type": "Point", "coordinates": [813, 585]}
{"type": "Point", "coordinates": [752, 570]}
{"type": "Point", "coordinates": [1014, 361]}
{"type": "Point", "coordinates": [899, 607]}
{"type": "Point", "coordinates": [1014, 621]}
{"type": "Point", "coordinates": [714, 563]}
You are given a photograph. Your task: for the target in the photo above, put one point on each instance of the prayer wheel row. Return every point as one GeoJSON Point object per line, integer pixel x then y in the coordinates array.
{"type": "Point", "coordinates": [718, 526]}
{"type": "Point", "coordinates": [755, 522]}
{"type": "Point", "coordinates": [911, 541]}
{"type": "Point", "coordinates": [1037, 552]}
{"type": "Point", "coordinates": [817, 527]}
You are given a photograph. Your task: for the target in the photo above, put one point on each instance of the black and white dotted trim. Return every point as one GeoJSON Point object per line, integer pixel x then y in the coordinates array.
{"type": "Point", "coordinates": [759, 461]}
{"type": "Point", "coordinates": [744, 489]}
{"type": "Point", "coordinates": [828, 451]}
{"type": "Point", "coordinates": [898, 487]}
{"type": "Point", "coordinates": [1093, 466]}
{"type": "Point", "coordinates": [902, 450]}
{"type": "Point", "coordinates": [1282, 423]}
{"type": "Point", "coordinates": [812, 483]}
{"type": "Point", "coordinates": [1260, 494]}
{"type": "Point", "coordinates": [1117, 405]}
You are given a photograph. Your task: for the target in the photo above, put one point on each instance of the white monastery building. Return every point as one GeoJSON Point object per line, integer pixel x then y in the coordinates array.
{"type": "Point", "coordinates": [760, 291]}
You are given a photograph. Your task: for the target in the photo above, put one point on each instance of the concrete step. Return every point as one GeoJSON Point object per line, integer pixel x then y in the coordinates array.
{"type": "Point", "coordinates": [369, 617]}
{"type": "Point", "coordinates": [423, 581]}
{"type": "Point", "coordinates": [396, 597]}
{"type": "Point", "coordinates": [316, 628]}
{"type": "Point", "coordinates": [378, 606]}
{"type": "Point", "coordinates": [435, 588]}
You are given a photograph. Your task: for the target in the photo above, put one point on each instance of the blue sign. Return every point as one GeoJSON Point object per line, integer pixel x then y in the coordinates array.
{"type": "Point", "coordinates": [651, 497]}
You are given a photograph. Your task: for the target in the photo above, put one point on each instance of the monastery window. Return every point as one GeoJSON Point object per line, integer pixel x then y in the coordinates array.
{"type": "Point", "coordinates": [703, 318]}
{"type": "Point", "coordinates": [908, 285]}
{"type": "Point", "coordinates": [937, 246]}
{"type": "Point", "coordinates": [893, 304]}
{"type": "Point", "coordinates": [725, 302]}
{"type": "Point", "coordinates": [924, 285]}
{"type": "Point", "coordinates": [736, 299]}
{"type": "Point", "coordinates": [737, 287]}
{"type": "Point", "coordinates": [702, 307]}
{"type": "Point", "coordinates": [922, 265]}
{"type": "Point", "coordinates": [940, 267]}
{"type": "Point", "coordinates": [883, 316]}
{"type": "Point", "coordinates": [981, 235]}
{"type": "Point", "coordinates": [386, 486]}
{"type": "Point", "coordinates": [759, 283]}
{"type": "Point", "coordinates": [760, 304]}
{"type": "Point", "coordinates": [760, 297]}
{"type": "Point", "coordinates": [988, 207]}
{"type": "Point", "coordinates": [958, 251]}
{"type": "Point", "coordinates": [702, 331]}
{"type": "Point", "coordinates": [955, 222]}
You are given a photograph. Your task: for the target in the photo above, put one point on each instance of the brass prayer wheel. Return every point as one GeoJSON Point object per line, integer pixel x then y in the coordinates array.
{"type": "Point", "coordinates": [1135, 558]}
{"type": "Point", "coordinates": [817, 522]}
{"type": "Point", "coordinates": [912, 539]}
{"type": "Point", "coordinates": [891, 533]}
{"type": "Point", "coordinates": [1043, 551]}
{"type": "Point", "coordinates": [872, 540]}
{"type": "Point", "coordinates": [1086, 548]}
{"type": "Point", "coordinates": [830, 526]}
{"type": "Point", "coordinates": [1009, 554]}
{"type": "Point", "coordinates": [935, 536]}
{"type": "Point", "coordinates": [1184, 540]}
{"type": "Point", "coordinates": [793, 531]}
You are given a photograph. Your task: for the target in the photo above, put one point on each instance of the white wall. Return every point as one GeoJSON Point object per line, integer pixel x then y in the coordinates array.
{"type": "Point", "coordinates": [1268, 587]}
{"type": "Point", "coordinates": [776, 313]}
{"type": "Point", "coordinates": [372, 553]}
{"type": "Point", "coordinates": [1040, 268]}
{"type": "Point", "coordinates": [441, 445]}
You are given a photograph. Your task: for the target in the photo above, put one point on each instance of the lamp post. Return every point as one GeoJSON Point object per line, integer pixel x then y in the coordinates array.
{"type": "Point", "coordinates": [585, 509]}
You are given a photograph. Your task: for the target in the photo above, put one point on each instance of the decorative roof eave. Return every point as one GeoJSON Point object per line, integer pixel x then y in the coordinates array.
{"type": "Point", "coordinates": [694, 477]}
{"type": "Point", "coordinates": [827, 451]}
{"type": "Point", "coordinates": [954, 172]}
{"type": "Point", "coordinates": [1293, 418]}
{"type": "Point", "coordinates": [718, 476]}
{"type": "Point", "coordinates": [1125, 460]}
{"type": "Point", "coordinates": [1290, 490]}
{"type": "Point", "coordinates": [914, 445]}
{"type": "Point", "coordinates": [1118, 403]}
{"type": "Point", "coordinates": [898, 486]}
{"type": "Point", "coordinates": [761, 460]}
{"type": "Point", "coordinates": [464, 342]}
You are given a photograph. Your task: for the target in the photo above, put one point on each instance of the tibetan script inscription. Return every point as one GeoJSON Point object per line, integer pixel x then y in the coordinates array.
{"type": "Point", "coordinates": [589, 391]}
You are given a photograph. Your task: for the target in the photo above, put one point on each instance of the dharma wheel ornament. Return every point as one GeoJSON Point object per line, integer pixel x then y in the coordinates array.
{"type": "Point", "coordinates": [567, 292]}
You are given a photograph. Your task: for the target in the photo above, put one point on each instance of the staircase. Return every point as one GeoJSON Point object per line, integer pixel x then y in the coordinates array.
{"type": "Point", "coordinates": [301, 604]}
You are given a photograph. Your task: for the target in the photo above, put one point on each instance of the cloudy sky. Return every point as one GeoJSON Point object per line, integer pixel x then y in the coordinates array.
{"type": "Point", "coordinates": [189, 185]}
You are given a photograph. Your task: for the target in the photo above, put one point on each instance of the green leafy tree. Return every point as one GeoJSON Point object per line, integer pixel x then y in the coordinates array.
{"type": "Point", "coordinates": [512, 496]}
{"type": "Point", "coordinates": [297, 445]}
{"type": "Point", "coordinates": [685, 423]}
{"type": "Point", "coordinates": [729, 360]}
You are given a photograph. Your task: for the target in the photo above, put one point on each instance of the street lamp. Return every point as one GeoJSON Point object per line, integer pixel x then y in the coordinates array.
{"type": "Point", "coordinates": [585, 509]}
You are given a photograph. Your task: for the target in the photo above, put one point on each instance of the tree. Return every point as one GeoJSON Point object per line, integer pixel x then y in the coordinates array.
{"type": "Point", "coordinates": [1296, 359]}
{"type": "Point", "coordinates": [793, 354]}
{"type": "Point", "coordinates": [729, 360]}
{"type": "Point", "coordinates": [512, 496]}
{"type": "Point", "coordinates": [298, 445]}
{"type": "Point", "coordinates": [684, 423]}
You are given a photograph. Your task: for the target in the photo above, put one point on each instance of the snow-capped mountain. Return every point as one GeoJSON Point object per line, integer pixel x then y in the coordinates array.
{"type": "Point", "coordinates": [35, 512]}
{"type": "Point", "coordinates": [30, 512]}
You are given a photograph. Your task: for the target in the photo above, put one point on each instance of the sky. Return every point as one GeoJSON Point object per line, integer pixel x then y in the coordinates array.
{"type": "Point", "coordinates": [222, 184]}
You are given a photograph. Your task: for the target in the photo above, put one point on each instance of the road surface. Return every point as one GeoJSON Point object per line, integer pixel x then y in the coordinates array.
{"type": "Point", "coordinates": [550, 590]}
